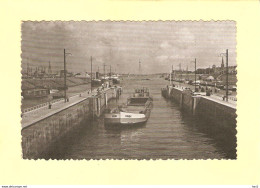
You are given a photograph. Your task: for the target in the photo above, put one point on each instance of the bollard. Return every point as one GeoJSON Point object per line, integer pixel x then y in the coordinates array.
{"type": "Point", "coordinates": [105, 98]}
{"type": "Point", "coordinates": [181, 99]}
{"type": "Point", "coordinates": [49, 105]}
{"type": "Point", "coordinates": [194, 99]}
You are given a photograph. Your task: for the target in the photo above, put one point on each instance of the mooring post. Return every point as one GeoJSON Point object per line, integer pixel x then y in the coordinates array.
{"type": "Point", "coordinates": [194, 101]}
{"type": "Point", "coordinates": [169, 92]}
{"type": "Point", "coordinates": [117, 93]}
{"type": "Point", "coordinates": [99, 105]}
{"type": "Point", "coordinates": [105, 97]}
{"type": "Point", "coordinates": [93, 99]}
{"type": "Point", "coordinates": [91, 104]}
{"type": "Point", "coordinates": [181, 99]}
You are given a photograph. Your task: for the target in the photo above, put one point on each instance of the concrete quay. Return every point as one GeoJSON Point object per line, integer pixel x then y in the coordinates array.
{"type": "Point", "coordinates": [210, 108]}
{"type": "Point", "coordinates": [44, 125]}
{"type": "Point", "coordinates": [179, 93]}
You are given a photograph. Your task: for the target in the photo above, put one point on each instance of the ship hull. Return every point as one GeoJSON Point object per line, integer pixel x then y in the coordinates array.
{"type": "Point", "coordinates": [96, 82]}
{"type": "Point", "coordinates": [126, 119]}
{"type": "Point", "coordinates": [136, 112]}
{"type": "Point", "coordinates": [116, 81]}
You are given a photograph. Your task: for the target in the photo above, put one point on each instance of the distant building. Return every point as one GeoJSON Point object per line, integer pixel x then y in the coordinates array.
{"type": "Point", "coordinates": [210, 78]}
{"type": "Point", "coordinates": [49, 69]}
{"type": "Point", "coordinates": [222, 64]}
{"type": "Point", "coordinates": [214, 69]}
{"type": "Point", "coordinates": [97, 75]}
{"type": "Point", "coordinates": [232, 69]}
{"type": "Point", "coordinates": [82, 75]}
{"type": "Point", "coordinates": [62, 73]}
{"type": "Point", "coordinates": [30, 90]}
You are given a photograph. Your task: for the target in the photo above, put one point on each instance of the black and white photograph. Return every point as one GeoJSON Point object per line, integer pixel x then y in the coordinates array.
{"type": "Point", "coordinates": [126, 90]}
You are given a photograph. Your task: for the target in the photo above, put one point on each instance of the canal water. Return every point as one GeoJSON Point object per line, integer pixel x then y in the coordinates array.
{"type": "Point", "coordinates": [168, 134]}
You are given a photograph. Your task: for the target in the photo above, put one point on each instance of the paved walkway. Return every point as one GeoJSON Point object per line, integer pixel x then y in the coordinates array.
{"type": "Point", "coordinates": [218, 99]}
{"type": "Point", "coordinates": [36, 115]}
{"type": "Point", "coordinates": [214, 97]}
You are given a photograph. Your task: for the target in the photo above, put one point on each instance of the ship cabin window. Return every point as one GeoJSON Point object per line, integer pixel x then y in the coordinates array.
{"type": "Point", "coordinates": [116, 110]}
{"type": "Point", "coordinates": [138, 100]}
{"type": "Point", "coordinates": [107, 110]}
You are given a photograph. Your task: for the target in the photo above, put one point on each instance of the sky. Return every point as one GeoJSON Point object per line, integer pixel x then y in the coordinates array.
{"type": "Point", "coordinates": [158, 45]}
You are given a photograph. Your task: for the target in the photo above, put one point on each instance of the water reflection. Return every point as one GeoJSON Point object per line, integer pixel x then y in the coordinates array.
{"type": "Point", "coordinates": [169, 133]}
{"type": "Point", "coordinates": [224, 138]}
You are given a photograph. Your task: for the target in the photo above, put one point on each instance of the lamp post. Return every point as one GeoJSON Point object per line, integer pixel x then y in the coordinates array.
{"type": "Point", "coordinates": [91, 75]}
{"type": "Point", "coordinates": [65, 75]}
{"type": "Point", "coordinates": [195, 72]}
{"type": "Point", "coordinates": [110, 72]}
{"type": "Point", "coordinates": [226, 55]}
{"type": "Point", "coordinates": [227, 75]}
{"type": "Point", "coordinates": [180, 78]}
{"type": "Point", "coordinates": [104, 66]}
{"type": "Point", "coordinates": [170, 78]}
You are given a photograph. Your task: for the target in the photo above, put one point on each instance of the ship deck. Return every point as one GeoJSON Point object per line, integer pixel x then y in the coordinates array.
{"type": "Point", "coordinates": [133, 109]}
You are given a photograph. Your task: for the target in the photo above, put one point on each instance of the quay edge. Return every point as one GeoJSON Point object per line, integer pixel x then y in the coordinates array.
{"type": "Point", "coordinates": [220, 116]}
{"type": "Point", "coordinates": [38, 135]}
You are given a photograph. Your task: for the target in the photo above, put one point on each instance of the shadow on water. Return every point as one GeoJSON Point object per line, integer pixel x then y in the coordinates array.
{"type": "Point", "coordinates": [86, 133]}
{"type": "Point", "coordinates": [170, 133]}
{"type": "Point", "coordinates": [120, 128]}
{"type": "Point", "coordinates": [60, 148]}
{"type": "Point", "coordinates": [223, 137]}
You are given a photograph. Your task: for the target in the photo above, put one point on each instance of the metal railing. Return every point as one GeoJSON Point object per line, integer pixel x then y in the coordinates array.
{"type": "Point", "coordinates": [233, 98]}
{"type": "Point", "coordinates": [41, 105]}
{"type": "Point", "coordinates": [53, 102]}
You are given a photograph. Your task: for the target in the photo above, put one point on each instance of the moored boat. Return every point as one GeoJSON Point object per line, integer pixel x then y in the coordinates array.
{"type": "Point", "coordinates": [58, 95]}
{"type": "Point", "coordinates": [54, 91]}
{"type": "Point", "coordinates": [116, 80]}
{"type": "Point", "coordinates": [35, 93]}
{"type": "Point", "coordinates": [96, 82]}
{"type": "Point", "coordinates": [135, 112]}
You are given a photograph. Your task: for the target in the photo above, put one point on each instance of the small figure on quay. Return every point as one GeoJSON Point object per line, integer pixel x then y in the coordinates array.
{"type": "Point", "coordinates": [49, 105]}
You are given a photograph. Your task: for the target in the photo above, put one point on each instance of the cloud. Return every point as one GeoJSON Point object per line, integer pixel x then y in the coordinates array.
{"type": "Point", "coordinates": [165, 45]}
{"type": "Point", "coordinates": [162, 58]}
{"type": "Point", "coordinates": [155, 43]}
